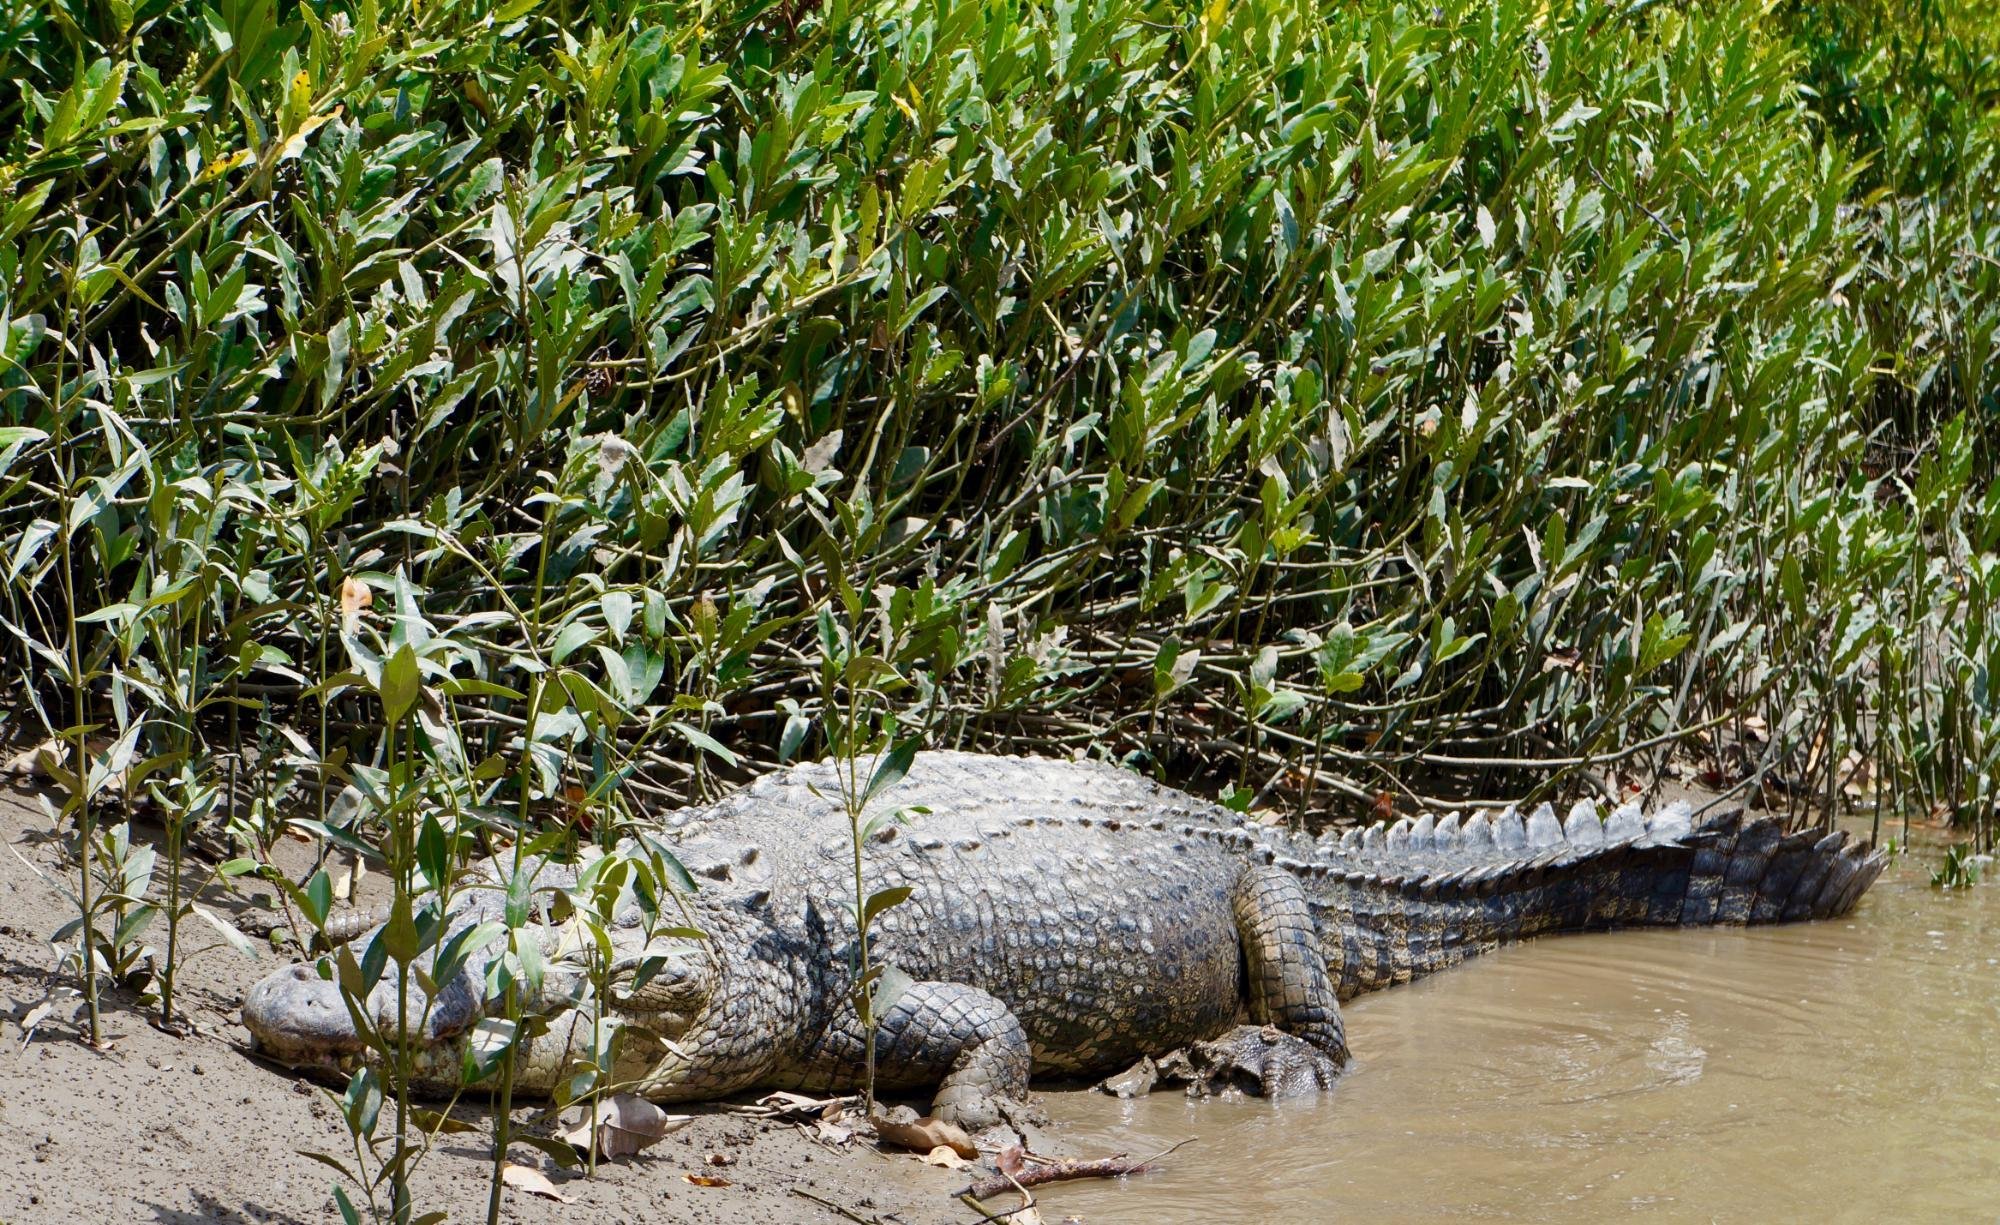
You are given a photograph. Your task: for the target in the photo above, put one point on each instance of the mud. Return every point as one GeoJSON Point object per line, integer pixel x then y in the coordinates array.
{"type": "Point", "coordinates": [179, 1130]}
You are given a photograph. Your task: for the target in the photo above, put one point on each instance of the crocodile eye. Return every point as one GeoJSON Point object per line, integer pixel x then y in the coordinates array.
{"type": "Point", "coordinates": [661, 982]}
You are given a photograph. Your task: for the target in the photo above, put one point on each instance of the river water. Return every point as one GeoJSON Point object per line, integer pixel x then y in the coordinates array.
{"type": "Point", "coordinates": [1840, 1071]}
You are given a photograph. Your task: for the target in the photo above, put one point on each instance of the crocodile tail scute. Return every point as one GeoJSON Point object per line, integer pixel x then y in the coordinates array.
{"type": "Point", "coordinates": [344, 925]}
{"type": "Point", "coordinates": [1415, 896]}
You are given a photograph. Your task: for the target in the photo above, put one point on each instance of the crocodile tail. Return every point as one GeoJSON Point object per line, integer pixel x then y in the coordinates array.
{"type": "Point", "coordinates": [1416, 896]}
{"type": "Point", "coordinates": [345, 925]}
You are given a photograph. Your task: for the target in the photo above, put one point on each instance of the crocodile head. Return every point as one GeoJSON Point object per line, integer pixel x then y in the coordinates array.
{"type": "Point", "coordinates": [694, 1019]}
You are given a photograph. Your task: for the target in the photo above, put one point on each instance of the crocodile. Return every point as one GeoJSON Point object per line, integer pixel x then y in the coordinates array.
{"type": "Point", "coordinates": [1065, 919]}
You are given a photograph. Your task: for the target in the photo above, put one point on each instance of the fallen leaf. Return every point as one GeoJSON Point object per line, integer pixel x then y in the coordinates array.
{"type": "Point", "coordinates": [33, 1016]}
{"type": "Point", "coordinates": [706, 1180]}
{"type": "Point", "coordinates": [943, 1157]}
{"type": "Point", "coordinates": [626, 1123]}
{"type": "Point", "coordinates": [832, 1132]}
{"type": "Point", "coordinates": [347, 869]}
{"type": "Point", "coordinates": [533, 1181]}
{"type": "Point", "coordinates": [924, 1134]}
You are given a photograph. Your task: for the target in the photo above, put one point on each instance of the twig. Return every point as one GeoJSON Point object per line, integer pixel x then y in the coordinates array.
{"type": "Point", "coordinates": [1016, 1176]}
{"type": "Point", "coordinates": [830, 1206]}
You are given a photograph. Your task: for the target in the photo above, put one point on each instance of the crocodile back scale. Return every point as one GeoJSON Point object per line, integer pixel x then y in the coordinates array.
{"type": "Point", "coordinates": [1065, 918]}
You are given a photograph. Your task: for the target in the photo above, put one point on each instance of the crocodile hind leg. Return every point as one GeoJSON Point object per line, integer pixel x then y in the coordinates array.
{"type": "Point", "coordinates": [1294, 1042]}
{"type": "Point", "coordinates": [954, 1036]}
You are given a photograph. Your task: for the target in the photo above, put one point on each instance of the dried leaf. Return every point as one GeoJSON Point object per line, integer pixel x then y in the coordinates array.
{"type": "Point", "coordinates": [34, 761]}
{"type": "Point", "coordinates": [943, 1157]}
{"type": "Point", "coordinates": [706, 1180]}
{"type": "Point", "coordinates": [533, 1181]}
{"type": "Point", "coordinates": [355, 598]}
{"type": "Point", "coordinates": [819, 456]}
{"type": "Point", "coordinates": [626, 1123]}
{"type": "Point", "coordinates": [924, 1134]}
{"type": "Point", "coordinates": [344, 871]}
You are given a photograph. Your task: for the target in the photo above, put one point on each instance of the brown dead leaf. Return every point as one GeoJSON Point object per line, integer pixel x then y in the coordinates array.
{"type": "Point", "coordinates": [533, 1181]}
{"type": "Point", "coordinates": [706, 1180]}
{"type": "Point", "coordinates": [1384, 808]}
{"type": "Point", "coordinates": [29, 763]}
{"type": "Point", "coordinates": [49, 761]}
{"type": "Point", "coordinates": [626, 1123]}
{"type": "Point", "coordinates": [943, 1157]}
{"type": "Point", "coordinates": [355, 599]}
{"type": "Point", "coordinates": [924, 1134]}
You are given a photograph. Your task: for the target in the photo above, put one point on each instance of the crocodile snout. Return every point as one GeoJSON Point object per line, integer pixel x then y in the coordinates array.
{"type": "Point", "coordinates": [299, 1018]}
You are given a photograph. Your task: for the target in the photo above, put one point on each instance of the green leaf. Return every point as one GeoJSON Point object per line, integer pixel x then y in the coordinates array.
{"type": "Point", "coordinates": [882, 900]}
{"type": "Point", "coordinates": [705, 742]}
{"type": "Point", "coordinates": [399, 935]}
{"type": "Point", "coordinates": [402, 680]}
{"type": "Point", "coordinates": [890, 770]}
{"type": "Point", "coordinates": [315, 901]}
{"type": "Point", "coordinates": [236, 939]}
{"type": "Point", "coordinates": [793, 737]}
{"type": "Point", "coordinates": [434, 853]}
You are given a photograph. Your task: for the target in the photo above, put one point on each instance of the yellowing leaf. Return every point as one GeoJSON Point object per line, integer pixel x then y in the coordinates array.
{"type": "Point", "coordinates": [355, 598]}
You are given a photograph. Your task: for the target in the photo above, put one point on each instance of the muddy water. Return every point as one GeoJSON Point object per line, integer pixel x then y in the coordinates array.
{"type": "Point", "coordinates": [1845, 1071]}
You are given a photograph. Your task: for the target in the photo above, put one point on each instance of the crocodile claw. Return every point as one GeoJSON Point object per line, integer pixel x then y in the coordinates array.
{"type": "Point", "coordinates": [1257, 1059]}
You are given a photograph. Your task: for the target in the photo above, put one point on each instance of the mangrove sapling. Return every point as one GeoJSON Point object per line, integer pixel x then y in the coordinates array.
{"type": "Point", "coordinates": [1961, 868]}
{"type": "Point", "coordinates": [417, 940]}
{"type": "Point", "coordinates": [605, 888]}
{"type": "Point", "coordinates": [854, 690]}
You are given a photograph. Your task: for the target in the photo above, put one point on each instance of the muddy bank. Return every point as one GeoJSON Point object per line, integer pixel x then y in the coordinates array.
{"type": "Point", "coordinates": [185, 1130]}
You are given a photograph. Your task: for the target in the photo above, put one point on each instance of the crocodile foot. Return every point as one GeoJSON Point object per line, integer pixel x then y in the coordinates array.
{"type": "Point", "coordinates": [1257, 1059]}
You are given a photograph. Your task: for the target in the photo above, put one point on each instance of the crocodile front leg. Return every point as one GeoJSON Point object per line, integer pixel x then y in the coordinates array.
{"type": "Point", "coordinates": [951, 1035]}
